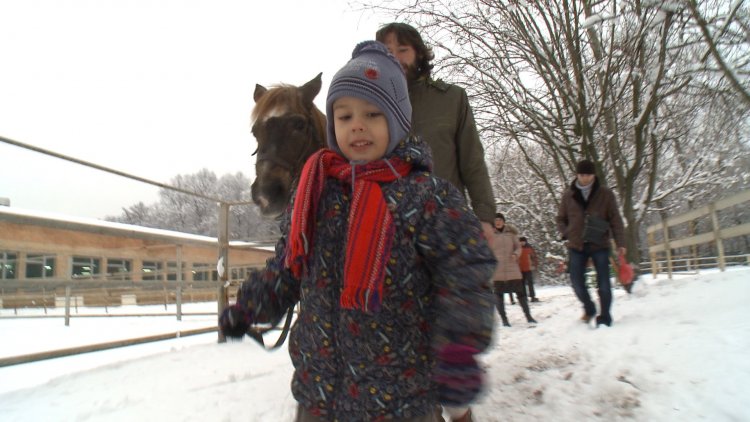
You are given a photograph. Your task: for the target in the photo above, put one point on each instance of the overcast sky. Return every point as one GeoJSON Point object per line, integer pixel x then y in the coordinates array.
{"type": "Point", "coordinates": [151, 88]}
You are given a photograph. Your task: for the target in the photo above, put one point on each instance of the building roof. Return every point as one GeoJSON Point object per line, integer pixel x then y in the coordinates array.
{"type": "Point", "coordinates": [92, 225]}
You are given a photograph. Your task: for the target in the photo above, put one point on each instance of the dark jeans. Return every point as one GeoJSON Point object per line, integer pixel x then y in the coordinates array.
{"type": "Point", "coordinates": [528, 281]}
{"type": "Point", "coordinates": [577, 268]}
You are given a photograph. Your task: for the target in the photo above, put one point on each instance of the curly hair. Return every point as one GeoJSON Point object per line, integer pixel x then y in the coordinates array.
{"type": "Point", "coordinates": [408, 35]}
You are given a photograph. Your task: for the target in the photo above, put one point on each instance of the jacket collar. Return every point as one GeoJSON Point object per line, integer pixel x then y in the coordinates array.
{"type": "Point", "coordinates": [578, 196]}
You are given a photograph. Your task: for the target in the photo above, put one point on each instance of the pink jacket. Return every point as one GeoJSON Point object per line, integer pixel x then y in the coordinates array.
{"type": "Point", "coordinates": [507, 249]}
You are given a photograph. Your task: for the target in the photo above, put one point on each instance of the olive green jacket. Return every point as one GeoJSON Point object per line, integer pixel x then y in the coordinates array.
{"type": "Point", "coordinates": [442, 117]}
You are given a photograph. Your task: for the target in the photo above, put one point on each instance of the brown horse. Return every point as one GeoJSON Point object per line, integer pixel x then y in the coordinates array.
{"type": "Point", "coordinates": [288, 128]}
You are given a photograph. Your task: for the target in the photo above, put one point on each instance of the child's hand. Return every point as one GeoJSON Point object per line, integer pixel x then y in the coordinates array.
{"type": "Point", "coordinates": [458, 375]}
{"type": "Point", "coordinates": [234, 321]}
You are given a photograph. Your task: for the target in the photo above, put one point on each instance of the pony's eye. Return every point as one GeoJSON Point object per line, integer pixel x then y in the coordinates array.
{"type": "Point", "coordinates": [298, 123]}
{"type": "Point", "coordinates": [255, 152]}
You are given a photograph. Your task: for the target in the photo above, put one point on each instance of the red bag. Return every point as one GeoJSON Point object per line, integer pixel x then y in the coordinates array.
{"type": "Point", "coordinates": [625, 271]}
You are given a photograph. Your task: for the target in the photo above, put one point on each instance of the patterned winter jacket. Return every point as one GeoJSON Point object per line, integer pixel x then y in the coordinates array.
{"type": "Point", "coordinates": [357, 366]}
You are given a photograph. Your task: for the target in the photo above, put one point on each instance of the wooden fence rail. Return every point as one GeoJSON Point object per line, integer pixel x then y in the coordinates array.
{"type": "Point", "coordinates": [716, 236]}
{"type": "Point", "coordinates": [71, 295]}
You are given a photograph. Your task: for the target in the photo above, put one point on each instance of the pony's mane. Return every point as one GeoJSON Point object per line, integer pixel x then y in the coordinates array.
{"type": "Point", "coordinates": [287, 97]}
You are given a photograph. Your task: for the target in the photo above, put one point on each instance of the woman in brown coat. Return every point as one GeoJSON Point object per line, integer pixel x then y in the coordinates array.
{"type": "Point", "coordinates": [507, 277]}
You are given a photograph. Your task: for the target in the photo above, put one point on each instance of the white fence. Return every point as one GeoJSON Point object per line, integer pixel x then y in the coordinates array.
{"type": "Point", "coordinates": [716, 236]}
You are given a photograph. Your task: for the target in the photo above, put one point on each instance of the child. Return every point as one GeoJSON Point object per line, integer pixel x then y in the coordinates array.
{"type": "Point", "coordinates": [528, 262]}
{"type": "Point", "coordinates": [387, 262]}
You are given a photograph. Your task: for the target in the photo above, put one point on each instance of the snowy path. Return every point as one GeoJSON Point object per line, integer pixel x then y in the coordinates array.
{"type": "Point", "coordinates": [677, 351]}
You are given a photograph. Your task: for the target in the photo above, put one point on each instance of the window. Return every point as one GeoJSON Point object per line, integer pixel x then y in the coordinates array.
{"type": "Point", "coordinates": [40, 266]}
{"type": "Point", "coordinates": [119, 269]}
{"type": "Point", "coordinates": [238, 274]}
{"type": "Point", "coordinates": [84, 266]}
{"type": "Point", "coordinates": [172, 271]}
{"type": "Point", "coordinates": [151, 270]}
{"type": "Point", "coordinates": [204, 272]}
{"type": "Point", "coordinates": [8, 263]}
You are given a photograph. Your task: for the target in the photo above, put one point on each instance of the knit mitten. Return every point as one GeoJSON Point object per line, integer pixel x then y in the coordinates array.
{"type": "Point", "coordinates": [234, 321]}
{"type": "Point", "coordinates": [458, 375]}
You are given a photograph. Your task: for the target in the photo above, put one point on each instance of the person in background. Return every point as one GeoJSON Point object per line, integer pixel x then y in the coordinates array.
{"type": "Point", "coordinates": [507, 277]}
{"type": "Point", "coordinates": [587, 218]}
{"type": "Point", "coordinates": [387, 262]}
{"type": "Point", "coordinates": [442, 116]}
{"type": "Point", "coordinates": [528, 262]}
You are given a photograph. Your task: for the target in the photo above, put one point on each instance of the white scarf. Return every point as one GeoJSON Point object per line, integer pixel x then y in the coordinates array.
{"type": "Point", "coordinates": [585, 190]}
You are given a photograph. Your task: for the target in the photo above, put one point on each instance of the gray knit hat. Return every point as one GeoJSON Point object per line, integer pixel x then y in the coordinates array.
{"type": "Point", "coordinates": [373, 75]}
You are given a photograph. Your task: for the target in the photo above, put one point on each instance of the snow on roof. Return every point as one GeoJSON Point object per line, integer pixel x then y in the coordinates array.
{"type": "Point", "coordinates": [21, 215]}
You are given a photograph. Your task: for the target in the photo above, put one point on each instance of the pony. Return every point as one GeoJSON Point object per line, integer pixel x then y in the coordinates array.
{"type": "Point", "coordinates": [288, 128]}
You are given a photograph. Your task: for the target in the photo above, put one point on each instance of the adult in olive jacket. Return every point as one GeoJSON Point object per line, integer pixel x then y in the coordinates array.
{"type": "Point", "coordinates": [588, 218]}
{"type": "Point", "coordinates": [442, 117]}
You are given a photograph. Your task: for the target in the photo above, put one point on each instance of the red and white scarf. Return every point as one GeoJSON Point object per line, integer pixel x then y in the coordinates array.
{"type": "Point", "coordinates": [369, 232]}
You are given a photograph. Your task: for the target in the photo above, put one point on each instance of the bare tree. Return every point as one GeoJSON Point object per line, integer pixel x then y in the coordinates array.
{"type": "Point", "coordinates": [191, 214]}
{"type": "Point", "coordinates": [555, 81]}
{"type": "Point", "coordinates": [725, 32]}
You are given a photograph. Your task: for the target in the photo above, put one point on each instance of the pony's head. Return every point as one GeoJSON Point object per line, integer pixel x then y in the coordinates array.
{"type": "Point", "coordinates": [288, 128]}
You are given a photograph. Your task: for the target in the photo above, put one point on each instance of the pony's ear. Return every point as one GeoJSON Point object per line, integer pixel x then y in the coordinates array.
{"type": "Point", "coordinates": [311, 88]}
{"type": "Point", "coordinates": [259, 91]}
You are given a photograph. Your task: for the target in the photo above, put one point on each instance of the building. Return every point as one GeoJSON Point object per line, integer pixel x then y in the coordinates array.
{"type": "Point", "coordinates": [38, 246]}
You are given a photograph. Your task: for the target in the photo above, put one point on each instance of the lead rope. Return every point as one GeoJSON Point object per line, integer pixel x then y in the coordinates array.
{"type": "Point", "coordinates": [257, 335]}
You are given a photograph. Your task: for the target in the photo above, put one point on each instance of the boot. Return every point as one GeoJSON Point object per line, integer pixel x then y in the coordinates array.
{"type": "Point", "coordinates": [600, 320]}
{"type": "Point", "coordinates": [525, 306]}
{"type": "Point", "coordinates": [501, 311]}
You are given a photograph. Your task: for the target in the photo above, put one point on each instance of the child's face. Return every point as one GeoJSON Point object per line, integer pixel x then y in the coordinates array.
{"type": "Point", "coordinates": [361, 129]}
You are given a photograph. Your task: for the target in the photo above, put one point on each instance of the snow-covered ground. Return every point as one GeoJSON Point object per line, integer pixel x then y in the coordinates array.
{"type": "Point", "coordinates": [677, 351]}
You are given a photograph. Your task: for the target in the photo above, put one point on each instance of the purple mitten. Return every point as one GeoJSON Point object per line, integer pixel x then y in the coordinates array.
{"type": "Point", "coordinates": [234, 321]}
{"type": "Point", "coordinates": [458, 375]}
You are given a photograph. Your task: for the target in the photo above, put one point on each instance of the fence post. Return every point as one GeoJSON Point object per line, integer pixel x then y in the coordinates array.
{"type": "Point", "coordinates": [667, 248]}
{"type": "Point", "coordinates": [652, 255]}
{"type": "Point", "coordinates": [67, 306]}
{"type": "Point", "coordinates": [178, 292]}
{"type": "Point", "coordinates": [223, 267]}
{"type": "Point", "coordinates": [717, 235]}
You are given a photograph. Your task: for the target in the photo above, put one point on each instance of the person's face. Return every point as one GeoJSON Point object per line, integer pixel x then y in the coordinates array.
{"type": "Point", "coordinates": [361, 129]}
{"type": "Point", "coordinates": [499, 223]}
{"type": "Point", "coordinates": [585, 179]}
{"type": "Point", "coordinates": [404, 53]}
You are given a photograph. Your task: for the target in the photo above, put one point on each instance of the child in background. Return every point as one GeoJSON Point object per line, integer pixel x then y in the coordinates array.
{"type": "Point", "coordinates": [388, 264]}
{"type": "Point", "coordinates": [528, 262]}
